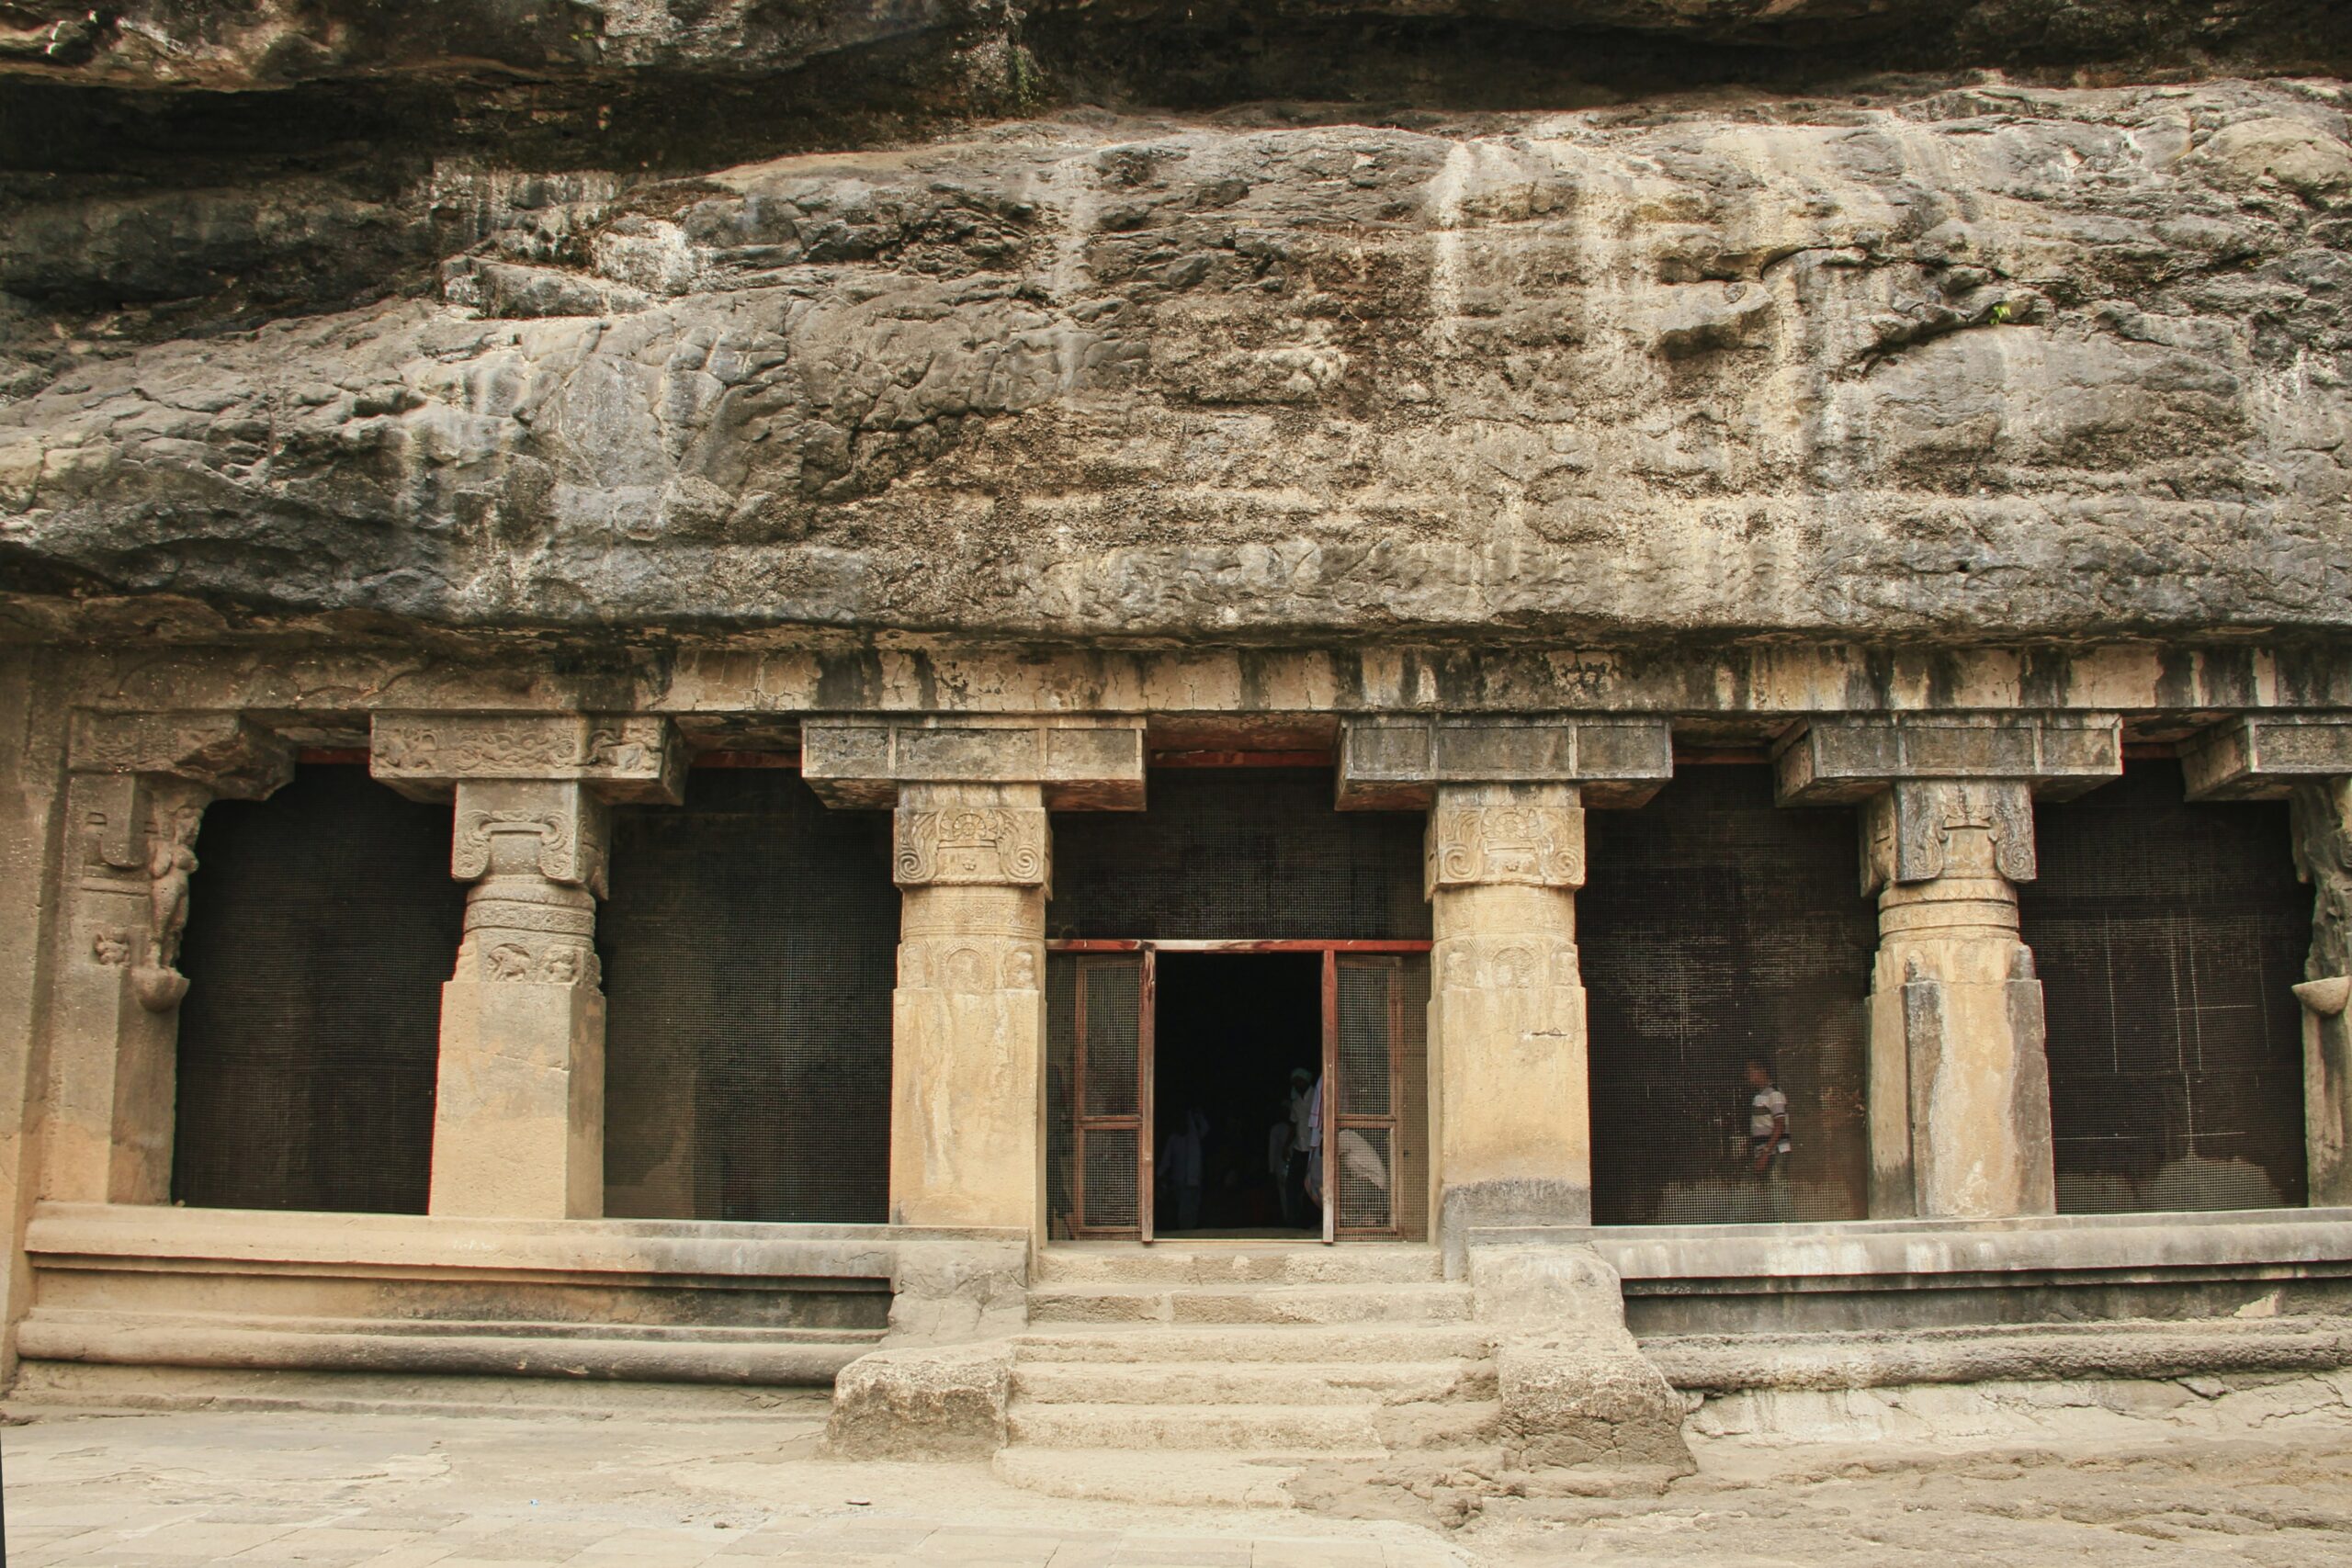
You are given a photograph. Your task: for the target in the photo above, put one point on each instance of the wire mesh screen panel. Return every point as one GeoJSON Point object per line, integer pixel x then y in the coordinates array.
{"type": "Point", "coordinates": [1238, 853]}
{"type": "Point", "coordinates": [1715, 929]}
{"type": "Point", "coordinates": [749, 949]}
{"type": "Point", "coordinates": [2166, 936]}
{"type": "Point", "coordinates": [1370, 998]}
{"type": "Point", "coordinates": [1411, 1189]}
{"type": "Point", "coordinates": [322, 922]}
{"type": "Point", "coordinates": [1105, 1134]}
{"type": "Point", "coordinates": [1061, 1095]}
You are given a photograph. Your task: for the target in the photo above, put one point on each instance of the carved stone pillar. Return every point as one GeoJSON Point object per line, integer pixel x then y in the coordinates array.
{"type": "Point", "coordinates": [1958, 1092]}
{"type": "Point", "coordinates": [140, 785]}
{"type": "Point", "coordinates": [1955, 1008]}
{"type": "Point", "coordinates": [972, 853]}
{"type": "Point", "coordinates": [2307, 759]}
{"type": "Point", "coordinates": [1506, 1008]}
{"type": "Point", "coordinates": [1510, 1098]}
{"type": "Point", "coordinates": [969, 1015]}
{"type": "Point", "coordinates": [518, 1122]}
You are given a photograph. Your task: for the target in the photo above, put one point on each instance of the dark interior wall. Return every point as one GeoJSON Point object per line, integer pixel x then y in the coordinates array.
{"type": "Point", "coordinates": [1715, 925]}
{"type": "Point", "coordinates": [750, 947]}
{"type": "Point", "coordinates": [322, 922]}
{"type": "Point", "coordinates": [1238, 853]}
{"type": "Point", "coordinates": [2166, 936]}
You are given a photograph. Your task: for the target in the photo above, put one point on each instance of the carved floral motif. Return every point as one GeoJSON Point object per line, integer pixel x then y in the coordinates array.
{"type": "Point", "coordinates": [971, 845]}
{"type": "Point", "coordinates": [1531, 844]}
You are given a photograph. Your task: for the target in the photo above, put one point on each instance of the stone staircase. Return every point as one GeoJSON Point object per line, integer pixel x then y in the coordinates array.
{"type": "Point", "coordinates": [1218, 1373]}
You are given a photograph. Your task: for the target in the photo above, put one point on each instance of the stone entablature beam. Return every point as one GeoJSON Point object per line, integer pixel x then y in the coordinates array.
{"type": "Point", "coordinates": [1396, 763]}
{"type": "Point", "coordinates": [139, 786]}
{"type": "Point", "coordinates": [1958, 1092]}
{"type": "Point", "coordinates": [1080, 762]}
{"type": "Point", "coordinates": [519, 1107]}
{"type": "Point", "coordinates": [2306, 759]}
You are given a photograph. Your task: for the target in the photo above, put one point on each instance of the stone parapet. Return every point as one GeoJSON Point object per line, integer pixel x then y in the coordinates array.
{"type": "Point", "coordinates": [1078, 762]}
{"type": "Point", "coordinates": [2264, 756]}
{"type": "Point", "coordinates": [1830, 761]}
{"type": "Point", "coordinates": [1396, 763]}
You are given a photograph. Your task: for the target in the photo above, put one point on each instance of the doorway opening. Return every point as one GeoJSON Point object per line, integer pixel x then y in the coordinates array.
{"type": "Point", "coordinates": [1231, 1031]}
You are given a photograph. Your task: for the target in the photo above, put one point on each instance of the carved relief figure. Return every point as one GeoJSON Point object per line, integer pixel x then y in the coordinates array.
{"type": "Point", "coordinates": [171, 860]}
{"type": "Point", "coordinates": [111, 945]}
{"type": "Point", "coordinates": [510, 960]}
{"type": "Point", "coordinates": [2323, 844]}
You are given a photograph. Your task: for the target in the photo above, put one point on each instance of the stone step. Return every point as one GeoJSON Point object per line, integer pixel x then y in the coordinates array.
{"type": "Point", "coordinates": [1250, 1428]}
{"type": "Point", "coordinates": [1359, 1343]}
{"type": "Point", "coordinates": [1223, 1481]}
{"type": "Point", "coordinates": [1239, 1263]}
{"type": "Point", "coordinates": [1189, 1304]}
{"type": "Point", "coordinates": [1263, 1429]}
{"type": "Point", "coordinates": [1252, 1382]}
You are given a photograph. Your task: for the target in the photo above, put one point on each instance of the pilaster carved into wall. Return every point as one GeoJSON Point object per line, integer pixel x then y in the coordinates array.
{"type": "Point", "coordinates": [1528, 843]}
{"type": "Point", "coordinates": [1920, 829]}
{"type": "Point", "coordinates": [951, 846]}
{"type": "Point", "coordinates": [2321, 812]}
{"type": "Point", "coordinates": [141, 782]}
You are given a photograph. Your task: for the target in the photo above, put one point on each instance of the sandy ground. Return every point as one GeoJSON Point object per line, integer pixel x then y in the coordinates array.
{"type": "Point", "coordinates": [407, 1490]}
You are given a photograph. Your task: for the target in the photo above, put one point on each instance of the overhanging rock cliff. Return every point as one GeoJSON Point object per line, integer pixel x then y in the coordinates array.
{"type": "Point", "coordinates": [1987, 361]}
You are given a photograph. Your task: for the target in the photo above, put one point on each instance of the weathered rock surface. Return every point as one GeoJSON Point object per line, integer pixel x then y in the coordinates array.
{"type": "Point", "coordinates": [1988, 362]}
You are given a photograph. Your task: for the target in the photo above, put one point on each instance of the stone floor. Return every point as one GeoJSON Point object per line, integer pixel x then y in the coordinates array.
{"type": "Point", "coordinates": [408, 1491]}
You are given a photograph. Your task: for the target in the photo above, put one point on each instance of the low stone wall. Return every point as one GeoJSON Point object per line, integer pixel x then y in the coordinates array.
{"type": "Point", "coordinates": [633, 1299]}
{"type": "Point", "coordinates": [1860, 1276]}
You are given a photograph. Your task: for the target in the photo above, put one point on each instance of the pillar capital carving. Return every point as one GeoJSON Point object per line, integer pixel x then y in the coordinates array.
{"type": "Point", "coordinates": [1923, 829]}
{"type": "Point", "coordinates": [2055, 756]}
{"type": "Point", "coordinates": [616, 757]}
{"type": "Point", "coordinates": [1080, 762]}
{"type": "Point", "coordinates": [226, 754]}
{"type": "Point", "coordinates": [1487, 835]}
{"type": "Point", "coordinates": [506, 828]}
{"type": "Point", "coordinates": [951, 836]}
{"type": "Point", "coordinates": [1398, 762]}
{"type": "Point", "coordinates": [2267, 756]}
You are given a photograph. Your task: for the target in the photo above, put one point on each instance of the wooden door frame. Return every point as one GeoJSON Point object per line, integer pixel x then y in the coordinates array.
{"type": "Point", "coordinates": [1137, 1121]}
{"type": "Point", "coordinates": [1147, 1052]}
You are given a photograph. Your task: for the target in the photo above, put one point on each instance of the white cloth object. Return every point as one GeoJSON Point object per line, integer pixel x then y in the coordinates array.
{"type": "Point", "coordinates": [1770, 1107]}
{"type": "Point", "coordinates": [1361, 1160]}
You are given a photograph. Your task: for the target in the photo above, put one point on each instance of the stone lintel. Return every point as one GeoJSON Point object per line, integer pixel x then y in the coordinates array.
{"type": "Point", "coordinates": [618, 757]}
{"type": "Point", "coordinates": [1397, 763]}
{"type": "Point", "coordinates": [1830, 761]}
{"type": "Point", "coordinates": [1083, 763]}
{"type": "Point", "coordinates": [2264, 756]}
{"type": "Point", "coordinates": [224, 751]}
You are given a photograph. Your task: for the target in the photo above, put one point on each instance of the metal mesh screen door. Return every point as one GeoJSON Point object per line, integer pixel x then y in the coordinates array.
{"type": "Point", "coordinates": [1374, 1022]}
{"type": "Point", "coordinates": [1716, 926]}
{"type": "Point", "coordinates": [749, 948]}
{"type": "Point", "coordinates": [322, 922]}
{"type": "Point", "coordinates": [2166, 936]}
{"type": "Point", "coordinates": [1099, 1095]}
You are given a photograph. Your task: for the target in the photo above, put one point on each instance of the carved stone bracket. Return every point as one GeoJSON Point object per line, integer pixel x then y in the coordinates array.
{"type": "Point", "coordinates": [1492, 839]}
{"type": "Point", "coordinates": [2056, 756]}
{"type": "Point", "coordinates": [1921, 829]}
{"type": "Point", "coordinates": [1397, 763]}
{"type": "Point", "coordinates": [2267, 756]}
{"type": "Point", "coordinates": [227, 753]}
{"type": "Point", "coordinates": [955, 845]}
{"type": "Point", "coordinates": [1083, 763]}
{"type": "Point", "coordinates": [618, 757]}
